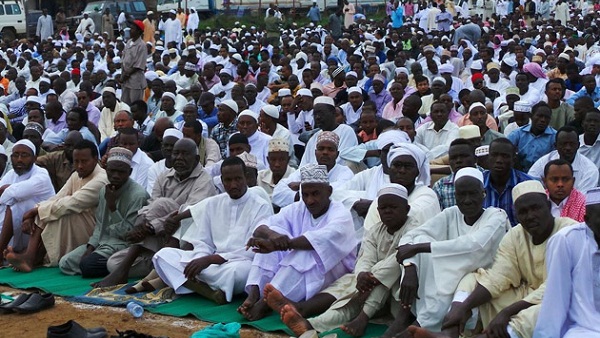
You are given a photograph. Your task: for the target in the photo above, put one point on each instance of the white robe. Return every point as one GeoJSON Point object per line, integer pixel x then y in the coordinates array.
{"type": "Point", "coordinates": [301, 274]}
{"type": "Point", "coordinates": [155, 170]}
{"type": "Point", "coordinates": [45, 27]}
{"type": "Point", "coordinates": [173, 31]}
{"type": "Point", "coordinates": [192, 22]}
{"type": "Point", "coordinates": [140, 165]}
{"type": "Point", "coordinates": [221, 226]}
{"type": "Point", "coordinates": [456, 249]}
{"type": "Point", "coordinates": [24, 192]}
{"type": "Point", "coordinates": [259, 146]}
{"type": "Point", "coordinates": [562, 13]}
{"type": "Point", "coordinates": [571, 303]}
{"type": "Point", "coordinates": [347, 140]}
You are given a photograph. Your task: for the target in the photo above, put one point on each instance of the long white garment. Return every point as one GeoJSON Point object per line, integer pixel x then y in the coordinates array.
{"type": "Point", "coordinates": [456, 249]}
{"type": "Point", "coordinates": [436, 141]}
{"type": "Point", "coordinates": [347, 140]}
{"type": "Point", "coordinates": [284, 196]}
{"type": "Point", "coordinates": [86, 27]}
{"type": "Point", "coordinates": [363, 185]}
{"type": "Point", "coordinates": [221, 226]}
{"type": "Point", "coordinates": [423, 202]}
{"type": "Point", "coordinates": [155, 170]}
{"type": "Point", "coordinates": [300, 274]}
{"type": "Point", "coordinates": [45, 27]}
{"type": "Point", "coordinates": [571, 304]}
{"type": "Point", "coordinates": [173, 31]}
{"type": "Point", "coordinates": [584, 170]}
{"type": "Point", "coordinates": [562, 13]}
{"type": "Point", "coordinates": [192, 22]}
{"type": "Point", "coordinates": [140, 165]}
{"type": "Point", "coordinates": [259, 146]}
{"type": "Point", "coordinates": [24, 192]}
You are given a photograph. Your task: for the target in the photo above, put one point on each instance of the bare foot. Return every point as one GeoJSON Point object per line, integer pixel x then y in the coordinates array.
{"type": "Point", "coordinates": [114, 278]}
{"type": "Point", "coordinates": [19, 262]}
{"type": "Point", "coordinates": [399, 325]}
{"type": "Point", "coordinates": [419, 332]}
{"type": "Point", "coordinates": [253, 297]}
{"type": "Point", "coordinates": [258, 311]}
{"type": "Point", "coordinates": [275, 299]}
{"type": "Point", "coordinates": [293, 320]}
{"type": "Point", "coordinates": [357, 326]}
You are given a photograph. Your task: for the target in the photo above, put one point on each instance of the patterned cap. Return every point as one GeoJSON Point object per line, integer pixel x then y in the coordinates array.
{"type": "Point", "coordinates": [189, 66]}
{"type": "Point", "coordinates": [314, 173]}
{"type": "Point", "coordinates": [522, 107]}
{"type": "Point", "coordinates": [328, 136]}
{"type": "Point", "coordinates": [279, 144]}
{"type": "Point", "coordinates": [35, 126]}
{"type": "Point", "coordinates": [120, 154]}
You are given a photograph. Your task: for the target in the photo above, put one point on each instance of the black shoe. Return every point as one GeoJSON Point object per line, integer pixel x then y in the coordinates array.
{"type": "Point", "coordinates": [72, 329]}
{"type": "Point", "coordinates": [36, 302]}
{"type": "Point", "coordinates": [9, 307]}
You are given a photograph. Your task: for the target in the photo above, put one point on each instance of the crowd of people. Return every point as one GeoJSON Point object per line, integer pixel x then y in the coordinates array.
{"type": "Point", "coordinates": [433, 169]}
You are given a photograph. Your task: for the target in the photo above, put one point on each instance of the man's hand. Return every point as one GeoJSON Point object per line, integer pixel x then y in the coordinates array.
{"type": "Point", "coordinates": [406, 251]}
{"type": "Point", "coordinates": [138, 233]}
{"type": "Point", "coordinates": [172, 223]}
{"type": "Point", "coordinates": [307, 126]}
{"type": "Point", "coordinates": [27, 226]}
{"type": "Point", "coordinates": [110, 194]}
{"type": "Point", "coordinates": [195, 267]}
{"type": "Point", "coordinates": [281, 242]}
{"type": "Point", "coordinates": [259, 245]}
{"type": "Point", "coordinates": [365, 282]}
{"type": "Point", "coordinates": [221, 95]}
{"type": "Point", "coordinates": [362, 207]}
{"type": "Point", "coordinates": [457, 317]}
{"type": "Point", "coordinates": [295, 186]}
{"type": "Point", "coordinates": [409, 287]}
{"type": "Point", "coordinates": [87, 252]}
{"type": "Point", "coordinates": [31, 214]}
{"type": "Point", "coordinates": [497, 327]}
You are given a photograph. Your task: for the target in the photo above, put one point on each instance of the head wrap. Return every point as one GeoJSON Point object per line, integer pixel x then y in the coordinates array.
{"type": "Point", "coordinates": [468, 172]}
{"type": "Point", "coordinates": [120, 154]}
{"type": "Point", "coordinates": [169, 95]}
{"type": "Point", "coordinates": [527, 187]}
{"type": "Point", "coordinates": [418, 155]}
{"type": "Point", "coordinates": [278, 144]}
{"type": "Point", "coordinates": [109, 90]}
{"type": "Point", "coordinates": [172, 132]}
{"type": "Point", "coordinates": [35, 126]}
{"type": "Point", "coordinates": [475, 105]}
{"type": "Point", "coordinates": [534, 69]}
{"type": "Point", "coordinates": [393, 136]}
{"type": "Point", "coordinates": [28, 144]}
{"type": "Point", "coordinates": [314, 173]}
{"type": "Point", "coordinates": [446, 68]}
{"type": "Point", "coordinates": [393, 189]}
{"type": "Point", "coordinates": [328, 136]}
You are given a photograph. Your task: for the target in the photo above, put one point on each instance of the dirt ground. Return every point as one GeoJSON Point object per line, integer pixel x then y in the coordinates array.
{"type": "Point", "coordinates": [111, 318]}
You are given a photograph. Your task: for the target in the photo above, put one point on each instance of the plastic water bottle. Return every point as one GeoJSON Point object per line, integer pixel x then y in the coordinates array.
{"type": "Point", "coordinates": [135, 309]}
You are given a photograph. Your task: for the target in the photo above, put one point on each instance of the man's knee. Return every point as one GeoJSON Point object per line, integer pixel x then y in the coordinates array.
{"type": "Point", "coordinates": [93, 265]}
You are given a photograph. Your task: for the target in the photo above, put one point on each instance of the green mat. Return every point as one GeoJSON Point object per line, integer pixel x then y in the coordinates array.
{"type": "Point", "coordinates": [52, 280]}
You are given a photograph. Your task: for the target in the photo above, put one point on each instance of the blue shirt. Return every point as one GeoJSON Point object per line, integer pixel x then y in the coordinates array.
{"type": "Point", "coordinates": [398, 17]}
{"type": "Point", "coordinates": [211, 119]}
{"type": "Point", "coordinates": [503, 200]}
{"type": "Point", "coordinates": [530, 147]}
{"type": "Point", "coordinates": [583, 92]}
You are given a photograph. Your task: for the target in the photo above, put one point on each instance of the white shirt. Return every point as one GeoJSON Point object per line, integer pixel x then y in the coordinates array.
{"type": "Point", "coordinates": [259, 146]}
{"type": "Point", "coordinates": [140, 165]}
{"type": "Point", "coordinates": [351, 114]}
{"type": "Point", "coordinates": [436, 140]}
{"type": "Point", "coordinates": [591, 152]}
{"type": "Point", "coordinates": [347, 139]}
{"type": "Point", "coordinates": [584, 170]}
{"type": "Point", "coordinates": [155, 170]}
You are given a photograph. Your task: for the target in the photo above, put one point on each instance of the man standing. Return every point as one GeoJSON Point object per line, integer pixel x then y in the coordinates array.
{"type": "Point", "coordinates": [134, 63]}
{"type": "Point", "coordinates": [118, 205]}
{"type": "Point", "coordinates": [303, 249]}
{"type": "Point", "coordinates": [172, 29]}
{"type": "Point", "coordinates": [149, 27]}
{"type": "Point", "coordinates": [86, 27]}
{"type": "Point", "coordinates": [45, 26]}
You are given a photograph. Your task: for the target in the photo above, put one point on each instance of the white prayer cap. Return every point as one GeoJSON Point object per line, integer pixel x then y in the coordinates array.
{"type": "Point", "coordinates": [354, 90]}
{"type": "Point", "coordinates": [316, 85]}
{"type": "Point", "coordinates": [417, 154]}
{"type": "Point", "coordinates": [522, 107]}
{"type": "Point", "coordinates": [328, 136]}
{"type": "Point", "coordinates": [249, 160]}
{"type": "Point", "coordinates": [439, 79]}
{"type": "Point", "coordinates": [120, 154]}
{"type": "Point", "coordinates": [286, 92]}
{"type": "Point", "coordinates": [45, 79]}
{"type": "Point", "coordinates": [238, 57]}
{"type": "Point", "coordinates": [510, 61]}
{"type": "Point", "coordinates": [271, 110]}
{"type": "Point", "coordinates": [169, 95]}
{"type": "Point", "coordinates": [109, 90]}
{"type": "Point", "coordinates": [302, 56]}
{"type": "Point", "coordinates": [446, 68]}
{"type": "Point", "coordinates": [393, 189]}
{"type": "Point", "coordinates": [475, 105]}
{"type": "Point", "coordinates": [2, 150]}
{"type": "Point", "coordinates": [324, 100]}
{"type": "Point", "coordinates": [477, 64]}
{"type": "Point", "coordinates": [564, 56]}
{"type": "Point", "coordinates": [482, 151]}
{"type": "Point", "coordinates": [26, 143]}
{"type": "Point", "coordinates": [527, 187]}
{"type": "Point", "coordinates": [189, 66]}
{"type": "Point", "coordinates": [469, 132]}
{"type": "Point", "coordinates": [392, 136]}
{"type": "Point", "coordinates": [173, 132]}
{"type": "Point", "coordinates": [314, 173]}
{"type": "Point", "coordinates": [279, 144]}
{"type": "Point", "coordinates": [304, 92]}
{"type": "Point", "coordinates": [173, 12]}
{"type": "Point", "coordinates": [250, 113]}
{"type": "Point", "coordinates": [150, 75]}
{"type": "Point", "coordinates": [399, 70]}
{"type": "Point", "coordinates": [469, 172]}
{"type": "Point", "coordinates": [352, 73]}
{"type": "Point", "coordinates": [591, 197]}
{"type": "Point", "coordinates": [34, 99]}
{"type": "Point", "coordinates": [226, 71]}
{"type": "Point", "coordinates": [231, 104]}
